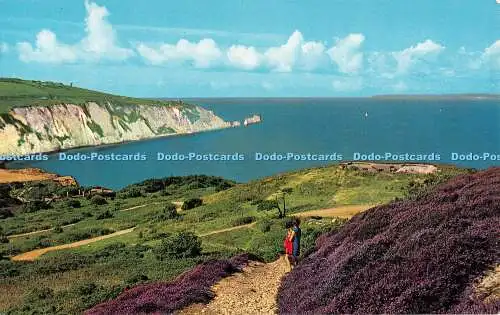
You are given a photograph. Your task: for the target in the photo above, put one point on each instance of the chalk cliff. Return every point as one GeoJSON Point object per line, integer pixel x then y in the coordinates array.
{"type": "Point", "coordinates": [28, 130]}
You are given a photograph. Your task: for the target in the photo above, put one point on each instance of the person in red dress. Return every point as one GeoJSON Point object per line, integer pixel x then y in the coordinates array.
{"type": "Point", "coordinates": [288, 245]}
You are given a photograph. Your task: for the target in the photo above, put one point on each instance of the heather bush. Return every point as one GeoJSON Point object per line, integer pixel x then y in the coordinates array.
{"type": "Point", "coordinates": [420, 255]}
{"type": "Point", "coordinates": [194, 286]}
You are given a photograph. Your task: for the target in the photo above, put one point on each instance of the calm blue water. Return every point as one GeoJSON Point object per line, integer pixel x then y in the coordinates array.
{"type": "Point", "coordinates": [304, 126]}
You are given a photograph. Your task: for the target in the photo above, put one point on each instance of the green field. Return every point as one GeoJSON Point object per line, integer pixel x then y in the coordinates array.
{"type": "Point", "coordinates": [71, 280]}
{"type": "Point", "coordinates": [22, 93]}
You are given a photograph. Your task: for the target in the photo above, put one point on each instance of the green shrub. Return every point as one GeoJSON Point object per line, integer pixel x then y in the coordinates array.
{"type": "Point", "coordinates": [5, 213]}
{"type": "Point", "coordinates": [86, 288]}
{"type": "Point", "coordinates": [104, 215]}
{"type": "Point", "coordinates": [89, 233]}
{"type": "Point", "coordinates": [264, 226]}
{"type": "Point", "coordinates": [9, 269]}
{"type": "Point", "coordinates": [68, 191]}
{"type": "Point", "coordinates": [243, 220]}
{"type": "Point", "coordinates": [39, 293]}
{"type": "Point", "coordinates": [58, 229]}
{"type": "Point", "coordinates": [168, 213]}
{"type": "Point", "coordinates": [98, 200]}
{"type": "Point", "coordinates": [44, 242]}
{"type": "Point", "coordinates": [73, 220]}
{"type": "Point", "coordinates": [136, 278]}
{"type": "Point", "coordinates": [191, 203]}
{"type": "Point", "coordinates": [181, 245]}
{"type": "Point", "coordinates": [3, 237]}
{"type": "Point", "coordinates": [265, 205]}
{"type": "Point", "coordinates": [61, 263]}
{"type": "Point", "coordinates": [73, 203]}
{"type": "Point", "coordinates": [130, 193]}
{"type": "Point", "coordinates": [87, 214]}
{"type": "Point", "coordinates": [34, 206]}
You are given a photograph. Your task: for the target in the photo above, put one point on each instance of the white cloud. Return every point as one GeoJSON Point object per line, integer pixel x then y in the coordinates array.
{"type": "Point", "coordinates": [4, 47]}
{"type": "Point", "coordinates": [313, 54]}
{"type": "Point", "coordinates": [347, 84]}
{"type": "Point", "coordinates": [203, 54]}
{"type": "Point", "coordinates": [47, 49]}
{"type": "Point", "coordinates": [247, 58]}
{"type": "Point", "coordinates": [491, 55]}
{"type": "Point", "coordinates": [425, 51]}
{"type": "Point", "coordinates": [101, 40]}
{"type": "Point", "coordinates": [99, 43]}
{"type": "Point", "coordinates": [295, 53]}
{"type": "Point", "coordinates": [284, 57]}
{"type": "Point", "coordinates": [346, 55]}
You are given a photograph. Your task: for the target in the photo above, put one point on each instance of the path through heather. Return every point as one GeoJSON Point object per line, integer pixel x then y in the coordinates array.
{"type": "Point", "coordinates": [252, 291]}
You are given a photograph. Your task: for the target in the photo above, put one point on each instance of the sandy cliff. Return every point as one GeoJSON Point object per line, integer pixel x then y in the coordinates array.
{"type": "Point", "coordinates": [30, 130]}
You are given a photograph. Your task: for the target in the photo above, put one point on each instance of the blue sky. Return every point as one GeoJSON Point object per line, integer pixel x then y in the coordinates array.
{"type": "Point", "coordinates": [197, 48]}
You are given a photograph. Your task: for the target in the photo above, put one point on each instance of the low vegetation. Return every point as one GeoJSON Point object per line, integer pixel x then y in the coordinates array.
{"type": "Point", "coordinates": [166, 240]}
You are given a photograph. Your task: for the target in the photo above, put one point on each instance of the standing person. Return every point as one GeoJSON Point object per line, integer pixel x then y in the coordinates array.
{"type": "Point", "coordinates": [288, 245]}
{"type": "Point", "coordinates": [295, 238]}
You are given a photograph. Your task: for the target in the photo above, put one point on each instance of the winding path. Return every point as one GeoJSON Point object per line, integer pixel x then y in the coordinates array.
{"type": "Point", "coordinates": [345, 212]}
{"type": "Point", "coordinates": [228, 229]}
{"type": "Point", "coordinates": [34, 254]}
{"type": "Point", "coordinates": [36, 232]}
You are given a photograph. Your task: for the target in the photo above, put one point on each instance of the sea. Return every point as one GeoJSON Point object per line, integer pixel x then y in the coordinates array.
{"type": "Point", "coordinates": [301, 133]}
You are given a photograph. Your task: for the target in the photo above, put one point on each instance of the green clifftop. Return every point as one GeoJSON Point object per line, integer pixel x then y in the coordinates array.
{"type": "Point", "coordinates": [40, 116]}
{"type": "Point", "coordinates": [25, 93]}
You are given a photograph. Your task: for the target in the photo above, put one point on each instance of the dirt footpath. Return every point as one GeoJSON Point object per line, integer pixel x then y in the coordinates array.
{"type": "Point", "coordinates": [345, 212]}
{"type": "Point", "coordinates": [252, 291]}
{"type": "Point", "coordinates": [244, 226]}
{"type": "Point", "coordinates": [34, 254]}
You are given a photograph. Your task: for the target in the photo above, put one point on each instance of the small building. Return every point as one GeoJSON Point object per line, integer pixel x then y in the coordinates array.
{"type": "Point", "coordinates": [103, 191]}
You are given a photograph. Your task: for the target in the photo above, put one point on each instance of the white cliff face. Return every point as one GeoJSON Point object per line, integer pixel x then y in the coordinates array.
{"type": "Point", "coordinates": [45, 129]}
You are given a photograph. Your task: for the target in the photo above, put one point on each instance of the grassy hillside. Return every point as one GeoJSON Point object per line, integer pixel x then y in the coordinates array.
{"type": "Point", "coordinates": [169, 236]}
{"type": "Point", "coordinates": [420, 256]}
{"type": "Point", "coordinates": [21, 93]}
